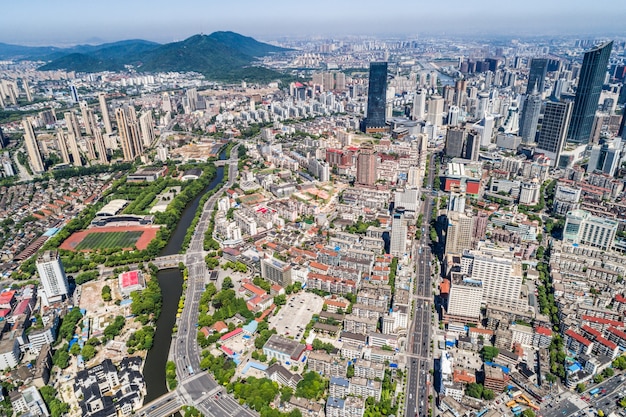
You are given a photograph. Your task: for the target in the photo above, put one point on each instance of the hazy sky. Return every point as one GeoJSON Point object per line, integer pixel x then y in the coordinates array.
{"type": "Point", "coordinates": [46, 22]}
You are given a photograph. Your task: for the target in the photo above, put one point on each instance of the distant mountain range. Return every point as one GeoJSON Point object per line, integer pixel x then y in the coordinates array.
{"type": "Point", "coordinates": [219, 56]}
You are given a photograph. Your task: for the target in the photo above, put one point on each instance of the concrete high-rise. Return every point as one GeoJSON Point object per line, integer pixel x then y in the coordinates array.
{"type": "Point", "coordinates": [29, 94]}
{"type": "Point", "coordinates": [457, 202]}
{"type": "Point", "coordinates": [530, 117]}
{"type": "Point", "coordinates": [419, 104]}
{"type": "Point", "coordinates": [537, 75]}
{"type": "Point", "coordinates": [487, 124]}
{"type": "Point", "coordinates": [459, 232]}
{"type": "Point", "coordinates": [464, 299]}
{"type": "Point", "coordinates": [129, 133]}
{"type": "Point", "coordinates": [52, 275]}
{"type": "Point", "coordinates": [84, 111]}
{"type": "Point", "coordinates": [500, 275]}
{"type": "Point", "coordinates": [276, 271]}
{"type": "Point", "coordinates": [435, 110]}
{"type": "Point", "coordinates": [90, 149]}
{"type": "Point", "coordinates": [74, 93]}
{"type": "Point", "coordinates": [105, 113]}
{"type": "Point", "coordinates": [166, 103]}
{"type": "Point", "coordinates": [453, 116]}
{"type": "Point", "coordinates": [605, 157]}
{"type": "Point", "coordinates": [146, 126]}
{"type": "Point", "coordinates": [73, 133]}
{"type": "Point", "coordinates": [397, 244]}
{"type": "Point", "coordinates": [455, 141]}
{"type": "Point", "coordinates": [590, 81]}
{"type": "Point", "coordinates": [32, 146]}
{"type": "Point", "coordinates": [62, 145]}
{"type": "Point", "coordinates": [621, 132]}
{"type": "Point", "coordinates": [71, 122]}
{"type": "Point", "coordinates": [529, 192]}
{"type": "Point", "coordinates": [460, 87]}
{"type": "Point", "coordinates": [483, 105]}
{"type": "Point", "coordinates": [376, 98]}
{"type": "Point", "coordinates": [472, 146]}
{"type": "Point", "coordinates": [100, 147]}
{"type": "Point", "coordinates": [553, 132]}
{"type": "Point", "coordinates": [581, 227]}
{"type": "Point", "coordinates": [366, 165]}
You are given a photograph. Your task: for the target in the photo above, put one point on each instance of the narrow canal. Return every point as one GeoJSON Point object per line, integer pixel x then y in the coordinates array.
{"type": "Point", "coordinates": [171, 282]}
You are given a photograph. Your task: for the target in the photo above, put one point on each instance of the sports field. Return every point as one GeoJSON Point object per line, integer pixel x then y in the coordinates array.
{"type": "Point", "coordinates": [125, 237]}
{"type": "Point", "coordinates": [109, 240]}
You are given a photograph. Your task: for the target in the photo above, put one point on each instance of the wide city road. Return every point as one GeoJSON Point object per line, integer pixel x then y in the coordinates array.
{"type": "Point", "coordinates": [418, 350]}
{"type": "Point", "coordinates": [196, 387]}
{"type": "Point", "coordinates": [201, 391]}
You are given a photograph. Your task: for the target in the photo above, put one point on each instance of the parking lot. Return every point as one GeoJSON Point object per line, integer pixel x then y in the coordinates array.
{"type": "Point", "coordinates": [296, 314]}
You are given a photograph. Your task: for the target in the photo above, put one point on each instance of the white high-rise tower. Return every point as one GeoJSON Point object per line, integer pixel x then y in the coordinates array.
{"type": "Point", "coordinates": [52, 275]}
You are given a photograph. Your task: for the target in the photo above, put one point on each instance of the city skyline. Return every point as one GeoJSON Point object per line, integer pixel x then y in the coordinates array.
{"type": "Point", "coordinates": [166, 22]}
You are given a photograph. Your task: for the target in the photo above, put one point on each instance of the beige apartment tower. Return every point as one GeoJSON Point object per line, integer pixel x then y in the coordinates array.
{"type": "Point", "coordinates": [32, 146]}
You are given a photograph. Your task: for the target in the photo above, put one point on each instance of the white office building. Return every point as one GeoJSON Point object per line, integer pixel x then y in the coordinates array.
{"type": "Point", "coordinates": [581, 227]}
{"type": "Point", "coordinates": [501, 276]}
{"type": "Point", "coordinates": [52, 275]}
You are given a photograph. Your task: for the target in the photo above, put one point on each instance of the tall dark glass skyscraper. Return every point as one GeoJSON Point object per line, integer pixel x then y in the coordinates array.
{"type": "Point", "coordinates": [588, 92]}
{"type": "Point", "coordinates": [537, 75]}
{"type": "Point", "coordinates": [622, 124]}
{"type": "Point", "coordinates": [530, 117]}
{"type": "Point", "coordinates": [376, 97]}
{"type": "Point", "coordinates": [556, 117]}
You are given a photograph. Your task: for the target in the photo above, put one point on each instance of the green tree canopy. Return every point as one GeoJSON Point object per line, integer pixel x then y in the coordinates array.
{"type": "Point", "coordinates": [311, 386]}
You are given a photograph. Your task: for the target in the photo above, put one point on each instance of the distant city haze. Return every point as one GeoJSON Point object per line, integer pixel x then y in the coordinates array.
{"type": "Point", "coordinates": [42, 22]}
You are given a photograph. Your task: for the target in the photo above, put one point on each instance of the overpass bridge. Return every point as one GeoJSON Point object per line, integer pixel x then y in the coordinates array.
{"type": "Point", "coordinates": [169, 261]}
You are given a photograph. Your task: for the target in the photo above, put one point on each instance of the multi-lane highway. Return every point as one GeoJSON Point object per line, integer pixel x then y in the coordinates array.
{"type": "Point", "coordinates": [201, 391]}
{"type": "Point", "coordinates": [418, 352]}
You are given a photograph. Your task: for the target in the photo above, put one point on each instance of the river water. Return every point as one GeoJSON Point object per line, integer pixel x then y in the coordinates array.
{"type": "Point", "coordinates": [171, 282]}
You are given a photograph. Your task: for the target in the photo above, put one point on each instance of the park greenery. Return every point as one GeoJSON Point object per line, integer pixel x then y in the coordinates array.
{"type": "Point", "coordinates": [319, 345]}
{"type": "Point", "coordinates": [479, 391]}
{"type": "Point", "coordinates": [170, 375]}
{"type": "Point", "coordinates": [51, 398]}
{"type": "Point", "coordinates": [222, 368]}
{"type": "Point", "coordinates": [256, 392]}
{"type": "Point", "coordinates": [189, 411]}
{"type": "Point", "coordinates": [393, 269]}
{"type": "Point", "coordinates": [489, 353]}
{"type": "Point", "coordinates": [141, 339]}
{"type": "Point", "coordinates": [259, 393]}
{"type": "Point", "coordinates": [360, 227]}
{"type": "Point", "coordinates": [620, 363]}
{"type": "Point", "coordinates": [385, 406]}
{"type": "Point", "coordinates": [68, 325]}
{"type": "Point", "coordinates": [142, 194]}
{"type": "Point", "coordinates": [146, 304]}
{"type": "Point", "coordinates": [114, 328]}
{"type": "Point", "coordinates": [311, 386]}
{"type": "Point", "coordinates": [261, 283]}
{"type": "Point", "coordinates": [236, 266]}
{"type": "Point", "coordinates": [86, 277]}
{"type": "Point", "coordinates": [88, 352]}
{"type": "Point", "coordinates": [106, 293]}
{"type": "Point", "coordinates": [61, 357]}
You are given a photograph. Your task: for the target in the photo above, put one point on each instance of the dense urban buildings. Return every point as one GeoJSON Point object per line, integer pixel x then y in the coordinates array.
{"type": "Point", "coordinates": [408, 226]}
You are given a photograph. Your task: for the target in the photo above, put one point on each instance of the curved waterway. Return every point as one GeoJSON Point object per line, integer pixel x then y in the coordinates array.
{"type": "Point", "coordinates": [171, 282]}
